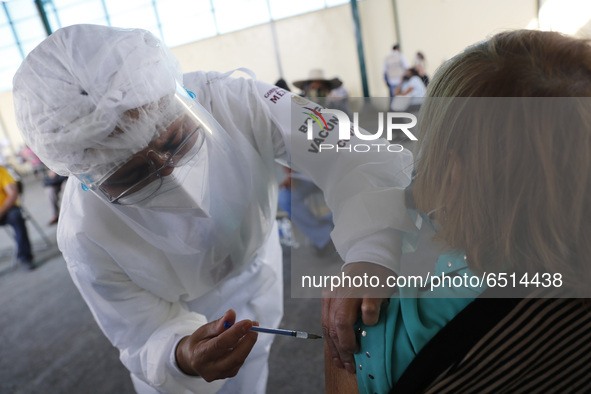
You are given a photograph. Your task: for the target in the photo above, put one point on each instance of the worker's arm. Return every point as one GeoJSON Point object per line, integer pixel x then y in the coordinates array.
{"type": "Point", "coordinates": [144, 325]}
{"type": "Point", "coordinates": [147, 328]}
{"type": "Point", "coordinates": [365, 192]}
{"type": "Point", "coordinates": [214, 352]}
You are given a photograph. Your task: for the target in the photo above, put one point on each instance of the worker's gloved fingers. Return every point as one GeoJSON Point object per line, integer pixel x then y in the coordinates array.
{"type": "Point", "coordinates": [330, 344]}
{"type": "Point", "coordinates": [344, 320]}
{"type": "Point", "coordinates": [228, 318]}
{"type": "Point", "coordinates": [346, 301]}
{"type": "Point", "coordinates": [230, 338]}
{"type": "Point", "coordinates": [214, 328]}
{"type": "Point", "coordinates": [222, 356]}
{"type": "Point", "coordinates": [370, 310]}
{"type": "Point", "coordinates": [232, 362]}
{"type": "Point", "coordinates": [339, 316]}
{"type": "Point", "coordinates": [333, 352]}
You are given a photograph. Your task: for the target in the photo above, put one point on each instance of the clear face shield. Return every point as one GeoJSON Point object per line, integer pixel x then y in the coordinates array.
{"type": "Point", "coordinates": [185, 184]}
{"type": "Point", "coordinates": [177, 141]}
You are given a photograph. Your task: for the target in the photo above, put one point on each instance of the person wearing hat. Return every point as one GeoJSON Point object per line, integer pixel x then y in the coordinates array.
{"type": "Point", "coordinates": [168, 217]}
{"type": "Point", "coordinates": [317, 85]}
{"type": "Point", "coordinates": [329, 92]}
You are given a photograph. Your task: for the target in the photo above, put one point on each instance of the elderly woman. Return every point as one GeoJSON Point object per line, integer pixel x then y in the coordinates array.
{"type": "Point", "coordinates": [504, 171]}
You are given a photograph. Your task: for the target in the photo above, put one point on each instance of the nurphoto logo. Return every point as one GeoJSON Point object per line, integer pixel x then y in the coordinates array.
{"type": "Point", "coordinates": [346, 130]}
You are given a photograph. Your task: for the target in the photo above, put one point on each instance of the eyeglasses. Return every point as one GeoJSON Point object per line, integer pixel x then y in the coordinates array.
{"type": "Point", "coordinates": [141, 176]}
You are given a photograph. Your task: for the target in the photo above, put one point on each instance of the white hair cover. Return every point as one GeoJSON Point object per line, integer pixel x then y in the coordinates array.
{"type": "Point", "coordinates": [89, 97]}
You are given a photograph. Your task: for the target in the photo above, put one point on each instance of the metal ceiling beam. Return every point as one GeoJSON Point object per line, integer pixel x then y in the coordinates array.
{"type": "Point", "coordinates": [43, 15]}
{"type": "Point", "coordinates": [360, 53]}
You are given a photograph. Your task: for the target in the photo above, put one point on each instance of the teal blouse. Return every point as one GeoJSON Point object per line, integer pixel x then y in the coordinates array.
{"type": "Point", "coordinates": [411, 319]}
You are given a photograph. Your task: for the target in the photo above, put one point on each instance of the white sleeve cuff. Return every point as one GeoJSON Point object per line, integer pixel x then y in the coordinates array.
{"type": "Point", "coordinates": [173, 366]}
{"type": "Point", "coordinates": [197, 383]}
{"type": "Point", "coordinates": [383, 247]}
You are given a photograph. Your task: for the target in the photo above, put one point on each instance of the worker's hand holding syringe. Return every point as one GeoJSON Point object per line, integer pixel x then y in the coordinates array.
{"type": "Point", "coordinates": [215, 352]}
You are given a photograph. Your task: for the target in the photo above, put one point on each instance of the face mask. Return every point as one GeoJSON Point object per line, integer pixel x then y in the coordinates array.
{"type": "Point", "coordinates": [186, 188]}
{"type": "Point", "coordinates": [198, 205]}
{"type": "Point", "coordinates": [430, 220]}
{"type": "Point", "coordinates": [214, 212]}
{"type": "Point", "coordinates": [144, 143]}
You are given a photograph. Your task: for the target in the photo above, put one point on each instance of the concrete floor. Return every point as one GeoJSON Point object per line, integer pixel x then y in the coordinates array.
{"type": "Point", "coordinates": [50, 343]}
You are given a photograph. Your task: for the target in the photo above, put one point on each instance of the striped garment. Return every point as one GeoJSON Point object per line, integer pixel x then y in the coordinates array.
{"type": "Point", "coordinates": [507, 345]}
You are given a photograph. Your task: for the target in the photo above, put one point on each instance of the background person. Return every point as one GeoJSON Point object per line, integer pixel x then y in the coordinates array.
{"type": "Point", "coordinates": [395, 65]}
{"type": "Point", "coordinates": [420, 64]}
{"type": "Point", "coordinates": [168, 226]}
{"type": "Point", "coordinates": [410, 94]}
{"type": "Point", "coordinates": [330, 93]}
{"type": "Point", "coordinates": [293, 193]}
{"type": "Point", "coordinates": [317, 85]}
{"type": "Point", "coordinates": [296, 188]}
{"type": "Point", "coordinates": [10, 214]}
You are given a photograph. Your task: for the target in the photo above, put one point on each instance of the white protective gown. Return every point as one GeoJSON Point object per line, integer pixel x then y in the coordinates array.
{"type": "Point", "coordinates": [146, 299]}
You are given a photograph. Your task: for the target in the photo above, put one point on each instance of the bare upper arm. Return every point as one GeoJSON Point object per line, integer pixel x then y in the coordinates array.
{"type": "Point", "coordinates": [337, 380]}
{"type": "Point", "coordinates": [11, 190]}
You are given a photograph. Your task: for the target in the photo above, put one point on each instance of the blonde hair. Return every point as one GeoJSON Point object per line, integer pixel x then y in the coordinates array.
{"type": "Point", "coordinates": [522, 199]}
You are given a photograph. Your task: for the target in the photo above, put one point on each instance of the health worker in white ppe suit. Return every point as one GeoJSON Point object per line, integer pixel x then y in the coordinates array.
{"type": "Point", "coordinates": [168, 218]}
